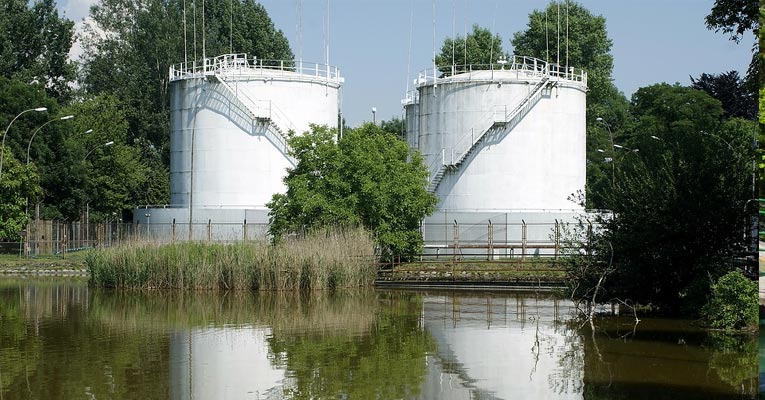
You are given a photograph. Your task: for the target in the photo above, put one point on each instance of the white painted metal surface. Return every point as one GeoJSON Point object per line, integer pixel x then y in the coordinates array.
{"type": "Point", "coordinates": [232, 114]}
{"type": "Point", "coordinates": [503, 139]}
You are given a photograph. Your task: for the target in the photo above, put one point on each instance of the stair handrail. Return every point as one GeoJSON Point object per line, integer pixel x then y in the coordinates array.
{"type": "Point", "coordinates": [273, 113]}
{"type": "Point", "coordinates": [525, 102]}
{"type": "Point", "coordinates": [281, 137]}
{"type": "Point", "coordinates": [437, 162]}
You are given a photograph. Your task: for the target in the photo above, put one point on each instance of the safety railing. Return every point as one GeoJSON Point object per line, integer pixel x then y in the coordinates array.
{"type": "Point", "coordinates": [524, 67]}
{"type": "Point", "coordinates": [241, 64]}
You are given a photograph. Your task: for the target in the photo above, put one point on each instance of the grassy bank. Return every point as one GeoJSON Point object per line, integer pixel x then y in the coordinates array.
{"type": "Point", "coordinates": [477, 271]}
{"type": "Point", "coordinates": [318, 261]}
{"type": "Point", "coordinates": [47, 264]}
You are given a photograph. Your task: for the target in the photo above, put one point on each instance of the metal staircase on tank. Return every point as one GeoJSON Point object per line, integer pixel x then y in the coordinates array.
{"type": "Point", "coordinates": [279, 135]}
{"type": "Point", "coordinates": [507, 123]}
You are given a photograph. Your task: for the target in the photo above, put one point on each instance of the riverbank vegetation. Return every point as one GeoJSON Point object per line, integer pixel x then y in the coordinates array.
{"type": "Point", "coordinates": [315, 261]}
{"type": "Point", "coordinates": [367, 177]}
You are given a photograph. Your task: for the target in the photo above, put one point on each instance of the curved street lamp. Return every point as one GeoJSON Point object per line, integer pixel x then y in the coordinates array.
{"type": "Point", "coordinates": [29, 146]}
{"type": "Point", "coordinates": [107, 144]}
{"type": "Point", "coordinates": [2, 148]}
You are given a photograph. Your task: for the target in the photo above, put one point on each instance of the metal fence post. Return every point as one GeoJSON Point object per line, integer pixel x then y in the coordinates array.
{"type": "Point", "coordinates": [244, 230]}
{"type": "Point", "coordinates": [209, 230]}
{"type": "Point", "coordinates": [173, 229]}
{"type": "Point", "coordinates": [523, 240]}
{"type": "Point", "coordinates": [557, 238]}
{"type": "Point", "coordinates": [490, 256]}
{"type": "Point", "coordinates": [456, 240]}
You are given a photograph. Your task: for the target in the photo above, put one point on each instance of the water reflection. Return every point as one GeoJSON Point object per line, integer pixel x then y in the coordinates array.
{"type": "Point", "coordinates": [59, 339]}
{"type": "Point", "coordinates": [499, 346]}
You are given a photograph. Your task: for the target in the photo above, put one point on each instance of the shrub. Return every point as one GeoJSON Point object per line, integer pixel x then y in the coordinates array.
{"type": "Point", "coordinates": [732, 303]}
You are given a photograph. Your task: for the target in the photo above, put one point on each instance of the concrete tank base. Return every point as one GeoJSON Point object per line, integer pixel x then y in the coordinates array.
{"type": "Point", "coordinates": [167, 224]}
{"type": "Point", "coordinates": [508, 233]}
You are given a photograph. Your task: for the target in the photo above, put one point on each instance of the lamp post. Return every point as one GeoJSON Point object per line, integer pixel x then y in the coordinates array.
{"type": "Point", "coordinates": [29, 146]}
{"type": "Point", "coordinates": [2, 148]}
{"type": "Point", "coordinates": [107, 144]}
{"type": "Point", "coordinates": [87, 204]}
{"type": "Point", "coordinates": [613, 152]}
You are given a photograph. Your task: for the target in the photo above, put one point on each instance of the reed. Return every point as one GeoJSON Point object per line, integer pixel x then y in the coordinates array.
{"type": "Point", "coordinates": [320, 260]}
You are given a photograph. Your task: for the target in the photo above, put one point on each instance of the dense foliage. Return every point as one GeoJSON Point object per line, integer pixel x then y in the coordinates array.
{"type": "Point", "coordinates": [677, 203]}
{"type": "Point", "coordinates": [367, 178]}
{"type": "Point", "coordinates": [733, 302]}
{"type": "Point", "coordinates": [730, 89]}
{"type": "Point", "coordinates": [34, 45]}
{"type": "Point", "coordinates": [478, 50]}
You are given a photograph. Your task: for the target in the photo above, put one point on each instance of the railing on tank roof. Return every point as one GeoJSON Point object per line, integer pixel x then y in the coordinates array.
{"type": "Point", "coordinates": [530, 66]}
{"type": "Point", "coordinates": [241, 64]}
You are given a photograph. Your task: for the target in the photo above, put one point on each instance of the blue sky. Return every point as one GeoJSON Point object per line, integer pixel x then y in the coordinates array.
{"type": "Point", "coordinates": [653, 40]}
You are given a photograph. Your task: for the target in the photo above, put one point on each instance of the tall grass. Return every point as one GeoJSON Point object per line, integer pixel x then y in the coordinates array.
{"type": "Point", "coordinates": [320, 260]}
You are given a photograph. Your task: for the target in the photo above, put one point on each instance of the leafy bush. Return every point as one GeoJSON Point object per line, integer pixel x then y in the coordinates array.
{"type": "Point", "coordinates": [733, 303]}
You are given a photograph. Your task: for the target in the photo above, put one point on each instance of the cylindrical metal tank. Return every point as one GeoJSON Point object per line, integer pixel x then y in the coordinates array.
{"type": "Point", "coordinates": [509, 138]}
{"type": "Point", "coordinates": [229, 120]}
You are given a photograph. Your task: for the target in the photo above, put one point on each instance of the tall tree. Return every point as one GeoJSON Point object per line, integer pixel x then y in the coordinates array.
{"type": "Point", "coordinates": [735, 18]}
{"type": "Point", "coordinates": [131, 44]}
{"type": "Point", "coordinates": [366, 178]}
{"type": "Point", "coordinates": [678, 203]}
{"type": "Point", "coordinates": [585, 44]}
{"type": "Point", "coordinates": [35, 44]}
{"type": "Point", "coordinates": [480, 50]}
{"type": "Point", "coordinates": [728, 87]}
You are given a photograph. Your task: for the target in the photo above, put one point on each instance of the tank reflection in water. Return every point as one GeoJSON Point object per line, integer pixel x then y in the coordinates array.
{"type": "Point", "coordinates": [60, 339]}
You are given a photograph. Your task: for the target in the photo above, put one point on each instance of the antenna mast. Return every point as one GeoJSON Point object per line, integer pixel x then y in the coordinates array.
{"type": "Point", "coordinates": [195, 29]}
{"type": "Point", "coordinates": [557, 31]}
{"type": "Point", "coordinates": [299, 12]}
{"type": "Point", "coordinates": [204, 58]}
{"type": "Point", "coordinates": [185, 52]}
{"type": "Point", "coordinates": [231, 27]}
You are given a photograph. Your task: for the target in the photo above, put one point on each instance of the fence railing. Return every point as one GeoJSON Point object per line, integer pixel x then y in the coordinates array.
{"type": "Point", "coordinates": [493, 241]}
{"type": "Point", "coordinates": [59, 238]}
{"type": "Point", "coordinates": [525, 66]}
{"type": "Point", "coordinates": [497, 241]}
{"type": "Point", "coordinates": [241, 64]}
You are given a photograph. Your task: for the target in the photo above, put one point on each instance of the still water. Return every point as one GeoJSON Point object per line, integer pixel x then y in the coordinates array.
{"type": "Point", "coordinates": [61, 340]}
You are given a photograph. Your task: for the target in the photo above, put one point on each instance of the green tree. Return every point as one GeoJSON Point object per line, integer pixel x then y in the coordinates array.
{"type": "Point", "coordinates": [395, 126]}
{"type": "Point", "coordinates": [481, 51]}
{"type": "Point", "coordinates": [19, 183]}
{"type": "Point", "coordinates": [35, 44]}
{"type": "Point", "coordinates": [112, 178]}
{"type": "Point", "coordinates": [729, 88]}
{"type": "Point", "coordinates": [735, 18]}
{"type": "Point", "coordinates": [677, 204]}
{"type": "Point", "coordinates": [131, 45]}
{"type": "Point", "coordinates": [366, 178]}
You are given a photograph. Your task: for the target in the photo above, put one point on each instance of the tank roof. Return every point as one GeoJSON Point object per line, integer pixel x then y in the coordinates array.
{"type": "Point", "coordinates": [240, 65]}
{"type": "Point", "coordinates": [516, 69]}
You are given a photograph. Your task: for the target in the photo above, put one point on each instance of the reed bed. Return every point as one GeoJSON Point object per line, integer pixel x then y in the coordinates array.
{"type": "Point", "coordinates": [316, 261]}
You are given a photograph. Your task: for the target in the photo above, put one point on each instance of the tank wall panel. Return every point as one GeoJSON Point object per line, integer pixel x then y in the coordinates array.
{"type": "Point", "coordinates": [535, 165]}
{"type": "Point", "coordinates": [238, 161]}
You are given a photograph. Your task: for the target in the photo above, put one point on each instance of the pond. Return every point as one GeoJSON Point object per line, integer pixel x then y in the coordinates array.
{"type": "Point", "coordinates": [60, 339]}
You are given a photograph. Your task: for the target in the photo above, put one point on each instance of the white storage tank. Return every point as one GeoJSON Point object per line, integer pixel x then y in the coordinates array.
{"type": "Point", "coordinates": [229, 120]}
{"type": "Point", "coordinates": [508, 138]}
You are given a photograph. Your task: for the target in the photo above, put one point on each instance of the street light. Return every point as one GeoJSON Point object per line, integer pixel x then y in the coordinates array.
{"type": "Point", "coordinates": [2, 148]}
{"type": "Point", "coordinates": [107, 144]}
{"type": "Point", "coordinates": [613, 153]}
{"type": "Point", "coordinates": [64, 118]}
{"type": "Point", "coordinates": [87, 204]}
